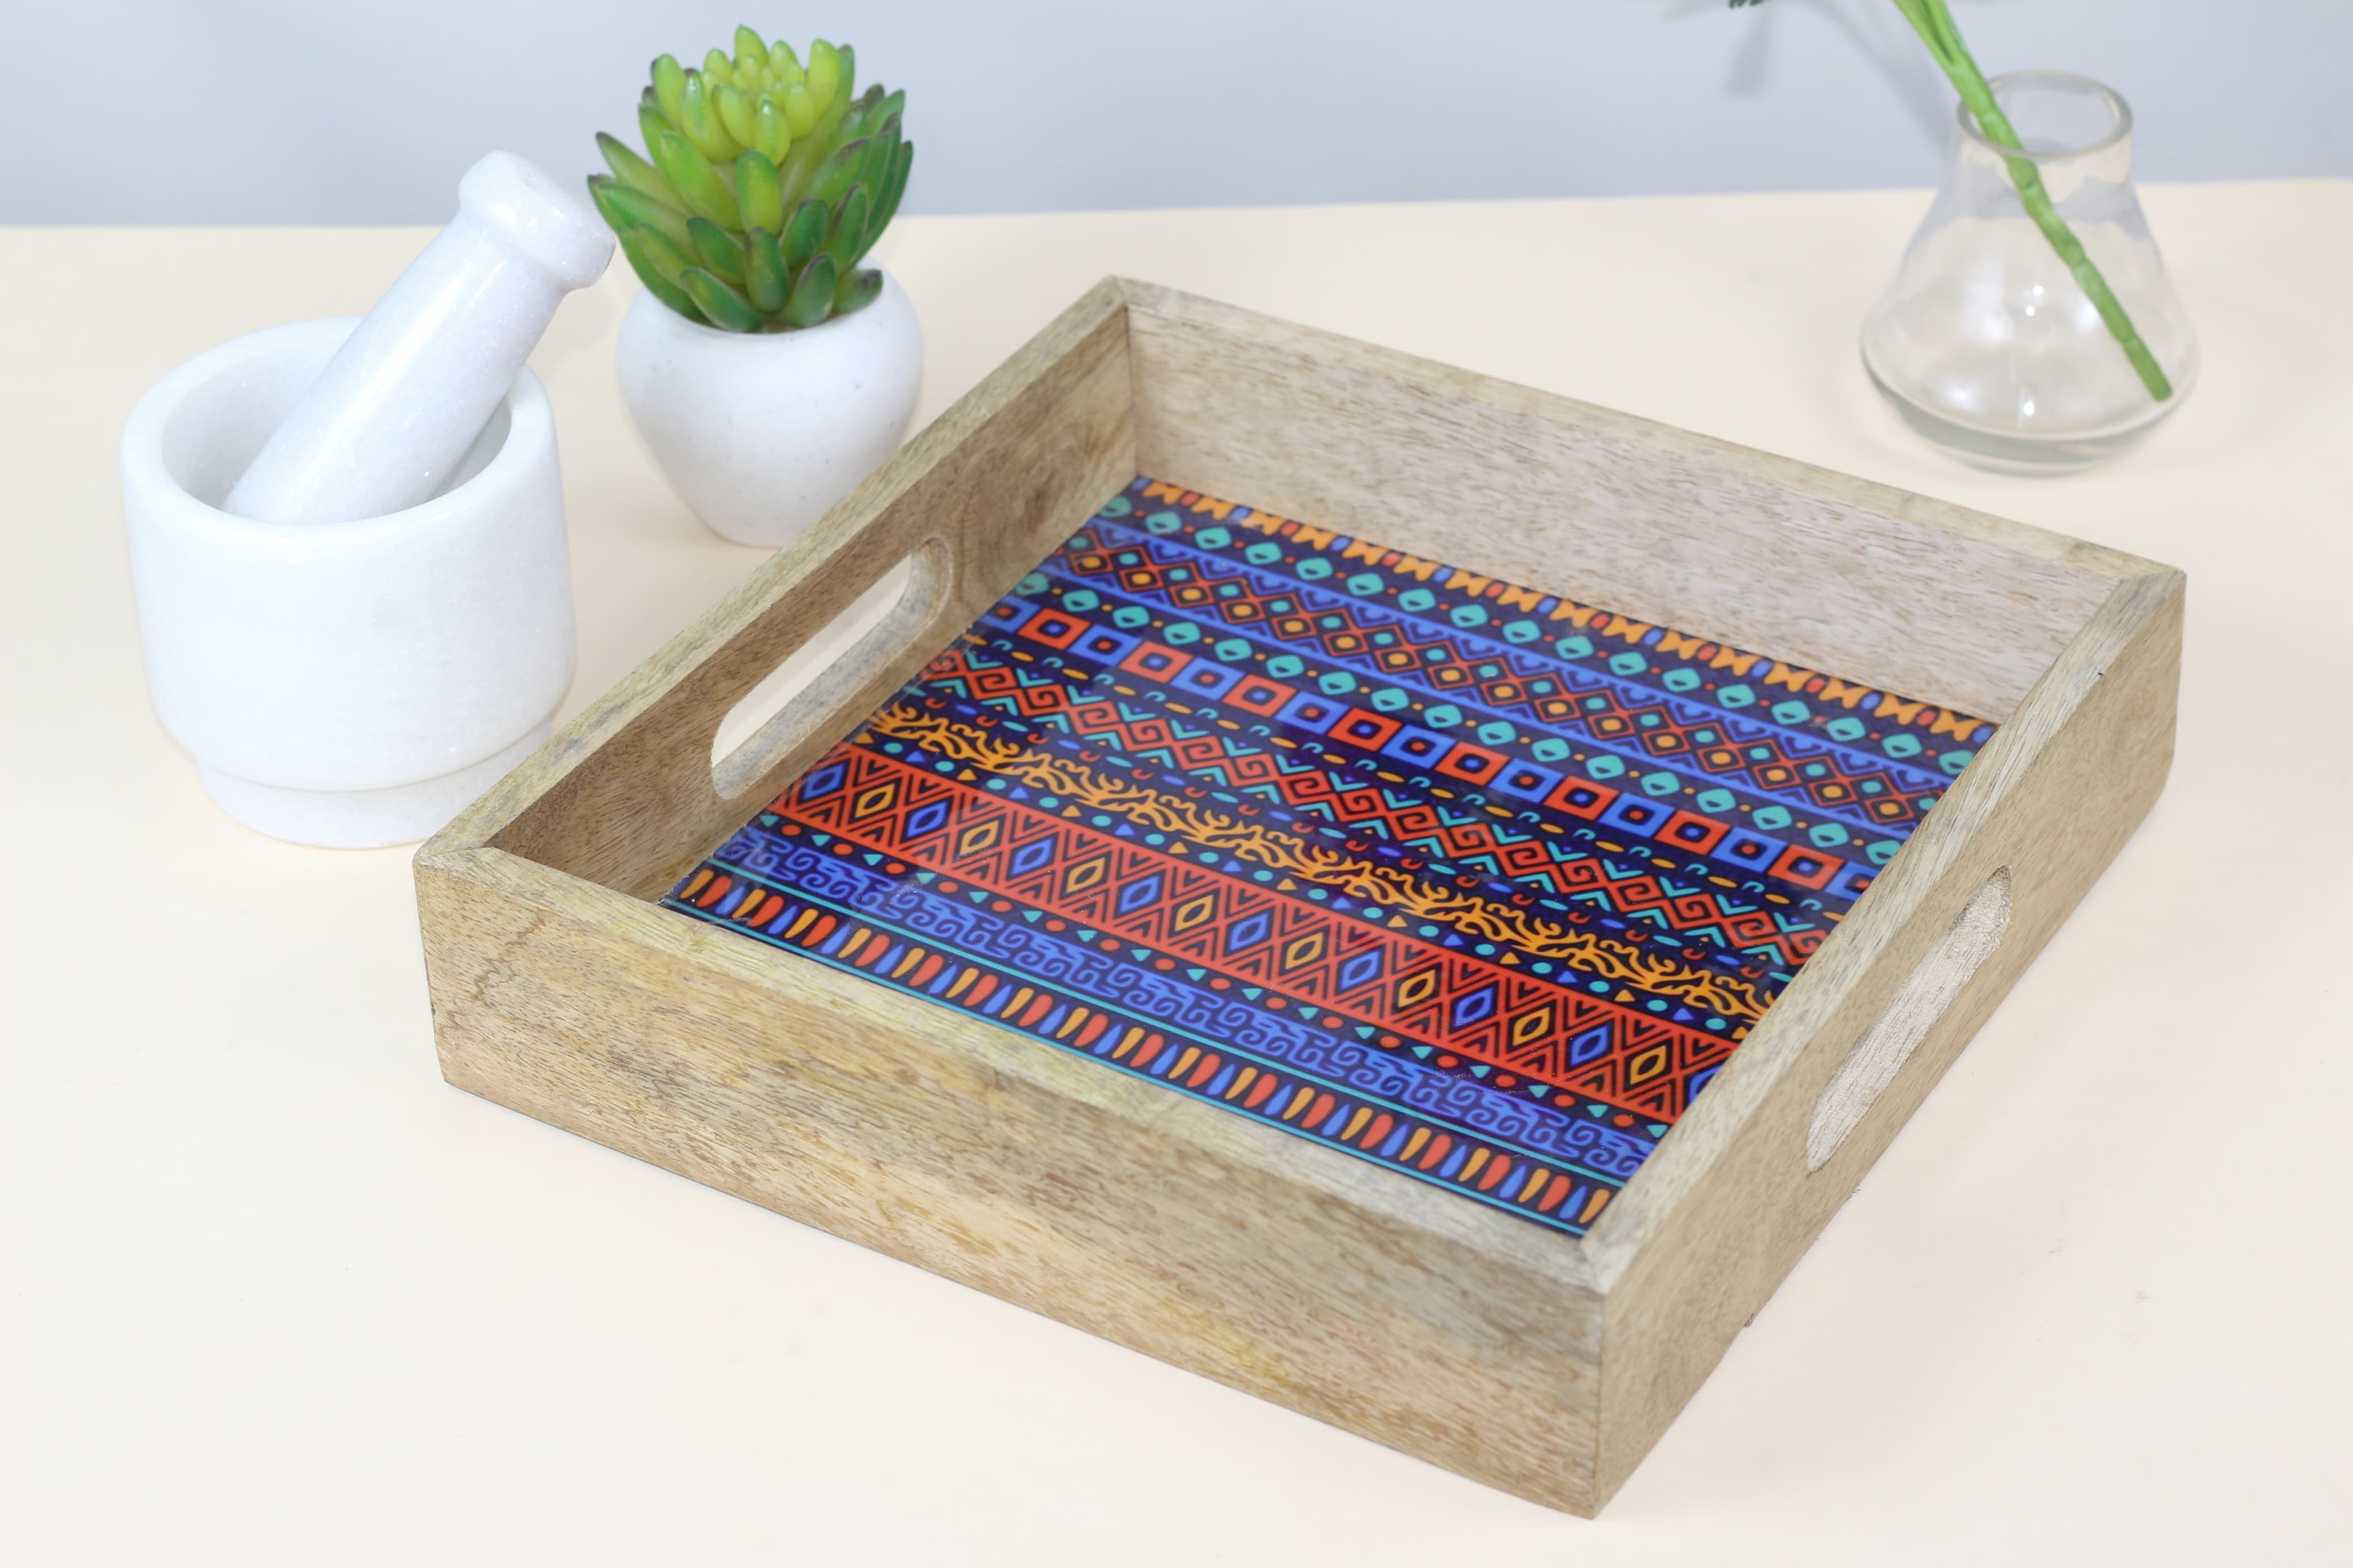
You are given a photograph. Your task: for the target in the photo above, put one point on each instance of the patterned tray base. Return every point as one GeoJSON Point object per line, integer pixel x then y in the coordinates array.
{"type": "Point", "coordinates": [1464, 879]}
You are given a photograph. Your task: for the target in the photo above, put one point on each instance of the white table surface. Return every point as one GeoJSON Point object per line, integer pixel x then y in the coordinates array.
{"type": "Point", "coordinates": [270, 1292]}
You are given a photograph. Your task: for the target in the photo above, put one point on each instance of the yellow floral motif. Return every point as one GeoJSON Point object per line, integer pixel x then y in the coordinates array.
{"type": "Point", "coordinates": [1527, 933]}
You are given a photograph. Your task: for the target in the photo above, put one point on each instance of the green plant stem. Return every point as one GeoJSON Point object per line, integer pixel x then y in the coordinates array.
{"type": "Point", "coordinates": [1933, 22]}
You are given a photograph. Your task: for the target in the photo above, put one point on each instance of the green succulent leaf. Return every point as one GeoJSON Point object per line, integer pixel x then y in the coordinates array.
{"type": "Point", "coordinates": [757, 191]}
{"type": "Point", "coordinates": [651, 120]}
{"type": "Point", "coordinates": [835, 175]}
{"type": "Point", "coordinates": [668, 260]}
{"type": "Point", "coordinates": [624, 208]}
{"type": "Point", "coordinates": [669, 89]}
{"type": "Point", "coordinates": [717, 65]}
{"type": "Point", "coordinates": [766, 279]}
{"type": "Point", "coordinates": [724, 307]}
{"type": "Point", "coordinates": [882, 152]}
{"type": "Point", "coordinates": [856, 290]}
{"type": "Point", "coordinates": [696, 182]}
{"type": "Point", "coordinates": [826, 76]}
{"type": "Point", "coordinates": [801, 109]}
{"type": "Point", "coordinates": [648, 271]}
{"type": "Point", "coordinates": [891, 110]}
{"type": "Point", "coordinates": [751, 53]}
{"type": "Point", "coordinates": [832, 108]}
{"type": "Point", "coordinates": [634, 172]}
{"type": "Point", "coordinates": [869, 145]}
{"type": "Point", "coordinates": [853, 119]}
{"type": "Point", "coordinates": [799, 168]}
{"type": "Point", "coordinates": [873, 108]}
{"type": "Point", "coordinates": [848, 236]}
{"type": "Point", "coordinates": [893, 189]}
{"type": "Point", "coordinates": [772, 138]}
{"type": "Point", "coordinates": [805, 233]}
{"type": "Point", "coordinates": [718, 250]}
{"type": "Point", "coordinates": [735, 106]}
{"type": "Point", "coordinates": [699, 120]}
{"type": "Point", "coordinates": [812, 297]}
{"type": "Point", "coordinates": [849, 68]}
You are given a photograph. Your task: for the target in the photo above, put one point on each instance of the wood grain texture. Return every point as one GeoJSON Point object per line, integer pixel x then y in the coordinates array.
{"type": "Point", "coordinates": [1719, 1215]}
{"type": "Point", "coordinates": [1926, 995]}
{"type": "Point", "coordinates": [1849, 577]}
{"type": "Point", "coordinates": [1537, 1363]}
{"type": "Point", "coordinates": [1231, 1249]}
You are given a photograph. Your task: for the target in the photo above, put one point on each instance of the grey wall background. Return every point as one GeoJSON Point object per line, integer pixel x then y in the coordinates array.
{"type": "Point", "coordinates": [313, 112]}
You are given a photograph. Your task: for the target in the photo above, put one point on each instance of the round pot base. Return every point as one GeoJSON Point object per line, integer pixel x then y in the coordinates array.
{"type": "Point", "coordinates": [362, 818]}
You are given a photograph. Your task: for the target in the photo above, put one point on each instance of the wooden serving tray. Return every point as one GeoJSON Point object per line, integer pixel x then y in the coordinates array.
{"type": "Point", "coordinates": [1254, 942]}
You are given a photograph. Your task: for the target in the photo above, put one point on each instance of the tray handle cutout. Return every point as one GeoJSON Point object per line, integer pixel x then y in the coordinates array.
{"type": "Point", "coordinates": [803, 694]}
{"type": "Point", "coordinates": [1922, 998]}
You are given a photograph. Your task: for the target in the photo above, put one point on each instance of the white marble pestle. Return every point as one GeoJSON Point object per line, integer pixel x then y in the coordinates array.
{"type": "Point", "coordinates": [388, 420]}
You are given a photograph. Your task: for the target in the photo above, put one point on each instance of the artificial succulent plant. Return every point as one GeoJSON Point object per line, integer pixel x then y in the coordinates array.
{"type": "Point", "coordinates": [764, 183]}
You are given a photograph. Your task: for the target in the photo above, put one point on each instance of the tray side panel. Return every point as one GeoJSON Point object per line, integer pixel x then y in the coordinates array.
{"type": "Point", "coordinates": [1727, 1206]}
{"type": "Point", "coordinates": [998, 1163]}
{"type": "Point", "coordinates": [623, 795]}
{"type": "Point", "coordinates": [1755, 551]}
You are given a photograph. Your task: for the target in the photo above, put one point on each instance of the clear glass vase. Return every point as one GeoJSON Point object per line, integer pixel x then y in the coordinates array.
{"type": "Point", "coordinates": [1986, 342]}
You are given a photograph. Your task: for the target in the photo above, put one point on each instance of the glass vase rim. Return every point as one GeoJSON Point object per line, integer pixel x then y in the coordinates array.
{"type": "Point", "coordinates": [2120, 111]}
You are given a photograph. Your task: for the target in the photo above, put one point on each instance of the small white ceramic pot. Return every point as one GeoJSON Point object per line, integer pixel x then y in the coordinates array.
{"type": "Point", "coordinates": [350, 684]}
{"type": "Point", "coordinates": [760, 433]}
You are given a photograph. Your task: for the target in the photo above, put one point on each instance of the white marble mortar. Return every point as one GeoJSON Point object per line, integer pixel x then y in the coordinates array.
{"type": "Point", "coordinates": [351, 684]}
